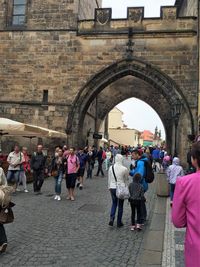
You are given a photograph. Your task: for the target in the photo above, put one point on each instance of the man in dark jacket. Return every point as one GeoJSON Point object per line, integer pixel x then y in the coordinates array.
{"type": "Point", "coordinates": [38, 163]}
{"type": "Point", "coordinates": [100, 161]}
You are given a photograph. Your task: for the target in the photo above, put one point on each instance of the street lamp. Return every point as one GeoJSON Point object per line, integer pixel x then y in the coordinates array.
{"type": "Point", "coordinates": [176, 112]}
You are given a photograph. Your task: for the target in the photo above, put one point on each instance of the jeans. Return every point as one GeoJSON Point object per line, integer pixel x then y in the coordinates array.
{"type": "Point", "coordinates": [172, 189]}
{"type": "Point", "coordinates": [100, 163]}
{"type": "Point", "coordinates": [116, 203]}
{"type": "Point", "coordinates": [3, 238]}
{"type": "Point", "coordinates": [89, 170]}
{"type": "Point", "coordinates": [38, 179]}
{"type": "Point", "coordinates": [58, 182]}
{"type": "Point", "coordinates": [22, 178]}
{"type": "Point", "coordinates": [13, 174]}
{"type": "Point", "coordinates": [136, 206]}
{"type": "Point", "coordinates": [107, 161]}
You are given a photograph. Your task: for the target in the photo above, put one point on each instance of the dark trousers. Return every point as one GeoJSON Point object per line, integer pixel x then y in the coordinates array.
{"type": "Point", "coordinates": [100, 163]}
{"type": "Point", "coordinates": [116, 203]}
{"type": "Point", "coordinates": [3, 238]}
{"type": "Point", "coordinates": [38, 180]}
{"type": "Point", "coordinates": [172, 189]}
{"type": "Point", "coordinates": [136, 206]}
{"type": "Point", "coordinates": [143, 211]}
{"type": "Point", "coordinates": [89, 170]}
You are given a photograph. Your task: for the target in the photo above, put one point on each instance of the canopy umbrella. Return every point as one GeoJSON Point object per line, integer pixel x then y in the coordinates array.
{"type": "Point", "coordinates": [14, 128]}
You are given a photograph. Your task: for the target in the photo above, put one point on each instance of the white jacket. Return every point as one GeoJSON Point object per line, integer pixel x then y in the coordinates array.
{"type": "Point", "coordinates": [121, 173]}
{"type": "Point", "coordinates": [3, 180]}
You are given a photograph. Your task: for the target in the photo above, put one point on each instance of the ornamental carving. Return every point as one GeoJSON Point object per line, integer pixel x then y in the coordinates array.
{"type": "Point", "coordinates": [103, 15]}
{"type": "Point", "coordinates": [169, 13]}
{"type": "Point", "coordinates": [135, 14]}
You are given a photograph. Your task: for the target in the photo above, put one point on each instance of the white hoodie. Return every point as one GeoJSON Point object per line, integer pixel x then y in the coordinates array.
{"type": "Point", "coordinates": [121, 173]}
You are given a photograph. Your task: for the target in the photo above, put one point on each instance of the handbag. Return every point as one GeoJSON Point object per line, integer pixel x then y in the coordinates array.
{"type": "Point", "coordinates": [54, 173]}
{"type": "Point", "coordinates": [6, 214]}
{"type": "Point", "coordinates": [122, 191]}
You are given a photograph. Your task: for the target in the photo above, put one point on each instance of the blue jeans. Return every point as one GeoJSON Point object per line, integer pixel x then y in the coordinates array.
{"type": "Point", "coordinates": [116, 203]}
{"type": "Point", "coordinates": [89, 170]}
{"type": "Point", "coordinates": [58, 182]}
{"type": "Point", "coordinates": [13, 174]}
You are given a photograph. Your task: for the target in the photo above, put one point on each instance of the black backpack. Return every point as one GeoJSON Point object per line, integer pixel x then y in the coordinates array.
{"type": "Point", "coordinates": [149, 174]}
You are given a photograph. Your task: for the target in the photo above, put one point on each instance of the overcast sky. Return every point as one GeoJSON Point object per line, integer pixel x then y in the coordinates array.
{"type": "Point", "coordinates": [137, 114]}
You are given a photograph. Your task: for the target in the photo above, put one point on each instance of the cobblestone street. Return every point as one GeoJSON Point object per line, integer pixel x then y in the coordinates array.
{"type": "Point", "coordinates": [51, 233]}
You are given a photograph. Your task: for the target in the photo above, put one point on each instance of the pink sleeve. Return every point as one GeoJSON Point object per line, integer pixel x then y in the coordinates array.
{"type": "Point", "coordinates": [179, 208]}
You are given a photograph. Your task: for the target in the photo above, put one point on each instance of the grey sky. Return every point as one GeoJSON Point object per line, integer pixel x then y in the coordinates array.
{"type": "Point", "coordinates": [137, 114]}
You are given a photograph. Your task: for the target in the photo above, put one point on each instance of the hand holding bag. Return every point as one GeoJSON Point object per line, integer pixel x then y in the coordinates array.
{"type": "Point", "coordinates": [6, 214]}
{"type": "Point", "coordinates": [122, 191]}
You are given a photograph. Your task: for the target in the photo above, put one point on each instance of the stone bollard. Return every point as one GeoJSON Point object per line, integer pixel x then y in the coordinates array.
{"type": "Point", "coordinates": [162, 185]}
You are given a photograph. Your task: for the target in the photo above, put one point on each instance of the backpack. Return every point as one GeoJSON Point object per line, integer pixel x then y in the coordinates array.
{"type": "Point", "coordinates": [104, 155]}
{"type": "Point", "coordinates": [149, 174]}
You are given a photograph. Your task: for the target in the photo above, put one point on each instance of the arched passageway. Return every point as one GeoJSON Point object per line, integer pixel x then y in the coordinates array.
{"type": "Point", "coordinates": [122, 80]}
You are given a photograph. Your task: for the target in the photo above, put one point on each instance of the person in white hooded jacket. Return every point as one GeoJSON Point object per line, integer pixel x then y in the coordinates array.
{"type": "Point", "coordinates": [121, 173]}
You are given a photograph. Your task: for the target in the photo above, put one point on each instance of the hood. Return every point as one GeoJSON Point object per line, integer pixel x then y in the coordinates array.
{"type": "Point", "coordinates": [176, 161]}
{"type": "Point", "coordinates": [119, 159]}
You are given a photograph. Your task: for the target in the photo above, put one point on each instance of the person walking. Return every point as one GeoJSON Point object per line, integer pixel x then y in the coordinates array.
{"type": "Point", "coordinates": [185, 209]}
{"type": "Point", "coordinates": [57, 170]}
{"type": "Point", "coordinates": [136, 191]}
{"type": "Point", "coordinates": [173, 172]}
{"type": "Point", "coordinates": [121, 173]}
{"type": "Point", "coordinates": [82, 156]}
{"type": "Point", "coordinates": [140, 161]}
{"type": "Point", "coordinates": [108, 158]}
{"type": "Point", "coordinates": [90, 163]}
{"type": "Point", "coordinates": [25, 168]}
{"type": "Point", "coordinates": [72, 166]}
{"type": "Point", "coordinates": [38, 166]}
{"type": "Point", "coordinates": [3, 237]}
{"type": "Point", "coordinates": [100, 161]}
{"type": "Point", "coordinates": [15, 160]}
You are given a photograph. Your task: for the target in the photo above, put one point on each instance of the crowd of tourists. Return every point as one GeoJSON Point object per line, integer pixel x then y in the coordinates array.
{"type": "Point", "coordinates": [71, 165]}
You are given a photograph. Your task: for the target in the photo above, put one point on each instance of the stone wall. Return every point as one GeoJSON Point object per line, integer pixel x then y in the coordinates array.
{"type": "Point", "coordinates": [63, 61]}
{"type": "Point", "coordinates": [189, 8]}
{"type": "Point", "coordinates": [87, 8]}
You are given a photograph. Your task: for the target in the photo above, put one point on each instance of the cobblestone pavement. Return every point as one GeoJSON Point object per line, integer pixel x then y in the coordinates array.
{"type": "Point", "coordinates": [173, 255]}
{"type": "Point", "coordinates": [52, 233]}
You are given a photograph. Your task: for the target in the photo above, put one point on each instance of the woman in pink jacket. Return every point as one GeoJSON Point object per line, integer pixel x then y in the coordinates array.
{"type": "Point", "coordinates": [186, 209]}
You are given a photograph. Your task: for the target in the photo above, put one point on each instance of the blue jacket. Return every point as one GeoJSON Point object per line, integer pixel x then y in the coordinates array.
{"type": "Point", "coordinates": [140, 168]}
{"type": "Point", "coordinates": [83, 159]}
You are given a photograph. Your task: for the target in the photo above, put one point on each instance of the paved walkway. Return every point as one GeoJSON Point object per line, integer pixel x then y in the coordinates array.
{"type": "Point", "coordinates": [173, 255]}
{"type": "Point", "coordinates": [51, 233]}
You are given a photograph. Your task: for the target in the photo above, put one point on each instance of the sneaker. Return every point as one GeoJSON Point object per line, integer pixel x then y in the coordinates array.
{"type": "Point", "coordinates": [110, 223]}
{"type": "Point", "coordinates": [139, 227]}
{"type": "Point", "coordinates": [25, 191]}
{"type": "Point", "coordinates": [133, 227]}
{"type": "Point", "coordinates": [18, 190]}
{"type": "Point", "coordinates": [72, 199]}
{"type": "Point", "coordinates": [3, 247]}
{"type": "Point", "coordinates": [68, 198]}
{"type": "Point", "coordinates": [120, 225]}
{"type": "Point", "coordinates": [80, 186]}
{"type": "Point", "coordinates": [58, 198]}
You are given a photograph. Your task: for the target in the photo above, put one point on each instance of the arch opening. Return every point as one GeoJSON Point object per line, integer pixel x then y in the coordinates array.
{"type": "Point", "coordinates": [155, 88]}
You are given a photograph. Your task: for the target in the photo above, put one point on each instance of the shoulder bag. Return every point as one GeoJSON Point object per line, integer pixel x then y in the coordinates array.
{"type": "Point", "coordinates": [122, 191]}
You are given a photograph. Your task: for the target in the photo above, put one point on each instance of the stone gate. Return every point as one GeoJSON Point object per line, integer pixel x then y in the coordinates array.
{"type": "Point", "coordinates": [63, 68]}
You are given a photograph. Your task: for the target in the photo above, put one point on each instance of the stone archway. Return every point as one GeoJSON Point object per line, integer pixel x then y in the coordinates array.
{"type": "Point", "coordinates": [137, 68]}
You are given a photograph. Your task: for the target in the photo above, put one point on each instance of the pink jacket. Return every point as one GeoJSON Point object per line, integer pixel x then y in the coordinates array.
{"type": "Point", "coordinates": [186, 213]}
